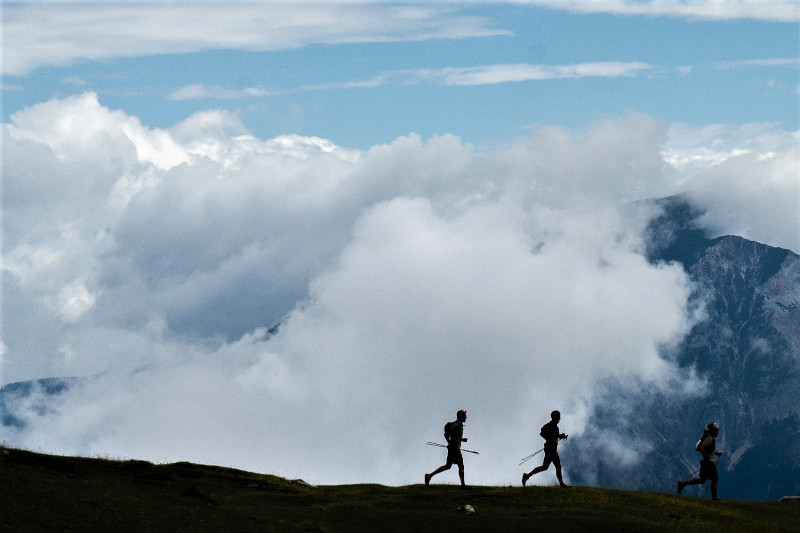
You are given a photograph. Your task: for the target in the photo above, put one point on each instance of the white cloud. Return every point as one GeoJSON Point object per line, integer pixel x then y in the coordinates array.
{"type": "Point", "coordinates": [769, 10]}
{"type": "Point", "coordinates": [58, 34]}
{"type": "Point", "coordinates": [478, 75]}
{"type": "Point", "coordinates": [613, 166]}
{"type": "Point", "coordinates": [746, 177]}
{"type": "Point", "coordinates": [419, 277]}
{"type": "Point", "coordinates": [492, 74]}
{"type": "Point", "coordinates": [201, 92]}
{"type": "Point", "coordinates": [29, 264]}
{"type": "Point", "coordinates": [78, 127]}
{"type": "Point", "coordinates": [74, 300]}
{"type": "Point", "coordinates": [791, 62]}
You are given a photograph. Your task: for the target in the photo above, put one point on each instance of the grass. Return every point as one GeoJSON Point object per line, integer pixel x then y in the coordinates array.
{"type": "Point", "coordinates": [42, 492]}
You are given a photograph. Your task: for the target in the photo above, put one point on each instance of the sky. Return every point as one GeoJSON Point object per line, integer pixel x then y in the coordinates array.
{"type": "Point", "coordinates": [431, 200]}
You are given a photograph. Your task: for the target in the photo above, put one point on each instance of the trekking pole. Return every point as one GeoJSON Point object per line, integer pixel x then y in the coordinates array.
{"type": "Point", "coordinates": [445, 446]}
{"type": "Point", "coordinates": [684, 479]}
{"type": "Point", "coordinates": [530, 456]}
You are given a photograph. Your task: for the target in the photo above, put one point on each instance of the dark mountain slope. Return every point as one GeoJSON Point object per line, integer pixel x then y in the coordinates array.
{"type": "Point", "coordinates": [747, 348]}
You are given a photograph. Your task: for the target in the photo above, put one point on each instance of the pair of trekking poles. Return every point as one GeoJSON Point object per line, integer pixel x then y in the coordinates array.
{"type": "Point", "coordinates": [476, 453]}
{"type": "Point", "coordinates": [531, 456]}
{"type": "Point", "coordinates": [445, 446]}
{"type": "Point", "coordinates": [690, 476]}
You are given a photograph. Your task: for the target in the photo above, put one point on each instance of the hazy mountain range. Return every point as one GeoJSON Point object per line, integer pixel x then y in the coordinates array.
{"type": "Point", "coordinates": [743, 350]}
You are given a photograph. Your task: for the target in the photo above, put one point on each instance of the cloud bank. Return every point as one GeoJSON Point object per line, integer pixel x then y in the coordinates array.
{"type": "Point", "coordinates": [410, 280]}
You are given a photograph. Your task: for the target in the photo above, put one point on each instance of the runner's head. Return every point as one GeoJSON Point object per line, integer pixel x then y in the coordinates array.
{"type": "Point", "coordinates": [461, 415]}
{"type": "Point", "coordinates": [555, 415]}
{"type": "Point", "coordinates": [713, 428]}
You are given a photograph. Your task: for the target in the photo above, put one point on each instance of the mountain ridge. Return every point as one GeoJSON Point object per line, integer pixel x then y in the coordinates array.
{"type": "Point", "coordinates": [747, 349]}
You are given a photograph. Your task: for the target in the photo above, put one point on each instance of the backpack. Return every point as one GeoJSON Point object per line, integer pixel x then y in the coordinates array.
{"type": "Point", "coordinates": [448, 431]}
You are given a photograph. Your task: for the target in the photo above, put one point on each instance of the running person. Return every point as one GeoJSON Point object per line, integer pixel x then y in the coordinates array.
{"type": "Point", "coordinates": [454, 434]}
{"type": "Point", "coordinates": [707, 446]}
{"type": "Point", "coordinates": [551, 437]}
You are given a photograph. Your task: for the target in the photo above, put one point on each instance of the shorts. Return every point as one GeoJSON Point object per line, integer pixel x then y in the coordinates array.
{"type": "Point", "coordinates": [708, 470]}
{"type": "Point", "coordinates": [551, 456]}
{"type": "Point", "coordinates": [454, 456]}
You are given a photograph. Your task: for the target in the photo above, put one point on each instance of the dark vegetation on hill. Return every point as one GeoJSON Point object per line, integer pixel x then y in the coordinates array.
{"type": "Point", "coordinates": [52, 493]}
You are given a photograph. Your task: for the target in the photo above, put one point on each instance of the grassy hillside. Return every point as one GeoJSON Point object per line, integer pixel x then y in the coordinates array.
{"type": "Point", "coordinates": [51, 493]}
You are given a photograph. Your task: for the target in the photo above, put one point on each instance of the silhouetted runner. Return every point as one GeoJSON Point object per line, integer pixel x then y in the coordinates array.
{"type": "Point", "coordinates": [454, 435]}
{"type": "Point", "coordinates": [707, 446]}
{"type": "Point", "coordinates": [551, 437]}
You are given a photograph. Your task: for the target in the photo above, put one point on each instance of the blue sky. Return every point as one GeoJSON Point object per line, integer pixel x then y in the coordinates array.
{"type": "Point", "coordinates": [720, 69]}
{"type": "Point", "coordinates": [432, 199]}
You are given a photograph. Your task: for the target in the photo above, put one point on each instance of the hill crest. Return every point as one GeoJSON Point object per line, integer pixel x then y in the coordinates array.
{"type": "Point", "coordinates": [56, 493]}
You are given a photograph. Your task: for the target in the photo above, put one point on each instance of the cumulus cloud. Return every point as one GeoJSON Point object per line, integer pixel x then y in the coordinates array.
{"type": "Point", "coordinates": [745, 177]}
{"type": "Point", "coordinates": [54, 34]}
{"type": "Point", "coordinates": [409, 280]}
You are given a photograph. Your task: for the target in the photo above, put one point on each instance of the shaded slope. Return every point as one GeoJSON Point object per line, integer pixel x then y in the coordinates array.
{"type": "Point", "coordinates": [42, 492]}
